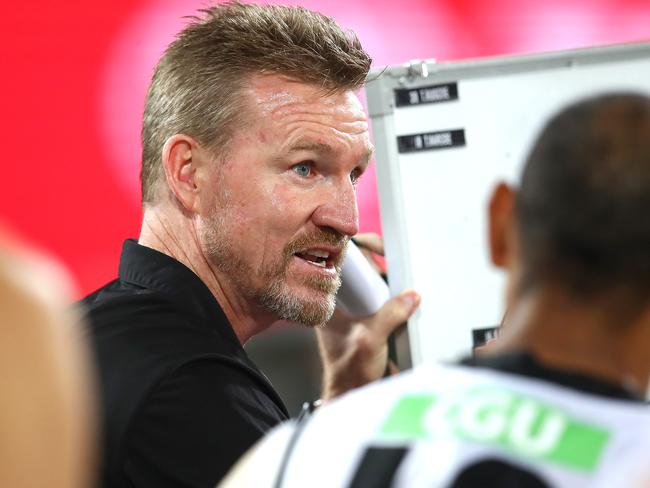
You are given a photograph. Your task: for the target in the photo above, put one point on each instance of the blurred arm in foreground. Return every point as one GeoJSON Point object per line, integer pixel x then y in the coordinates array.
{"type": "Point", "coordinates": [46, 419]}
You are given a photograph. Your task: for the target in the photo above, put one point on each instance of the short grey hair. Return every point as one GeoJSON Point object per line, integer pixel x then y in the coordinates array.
{"type": "Point", "coordinates": [197, 85]}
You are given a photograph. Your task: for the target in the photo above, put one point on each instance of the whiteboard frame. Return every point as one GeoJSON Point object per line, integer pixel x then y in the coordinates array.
{"type": "Point", "coordinates": [380, 87]}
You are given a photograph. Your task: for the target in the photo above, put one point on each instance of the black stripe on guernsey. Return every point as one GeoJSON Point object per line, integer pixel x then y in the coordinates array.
{"type": "Point", "coordinates": [378, 467]}
{"type": "Point", "coordinates": [305, 414]}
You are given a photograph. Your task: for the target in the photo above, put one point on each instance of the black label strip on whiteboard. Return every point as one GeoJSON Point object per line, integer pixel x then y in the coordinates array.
{"type": "Point", "coordinates": [405, 97]}
{"type": "Point", "coordinates": [431, 140]}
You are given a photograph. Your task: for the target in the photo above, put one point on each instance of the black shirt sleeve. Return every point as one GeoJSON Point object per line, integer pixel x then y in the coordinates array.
{"type": "Point", "coordinates": [195, 425]}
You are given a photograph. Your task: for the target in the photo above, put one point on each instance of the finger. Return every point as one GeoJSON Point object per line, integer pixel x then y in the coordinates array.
{"type": "Point", "coordinates": [392, 368]}
{"type": "Point", "coordinates": [395, 312]}
{"type": "Point", "coordinates": [371, 241]}
{"type": "Point", "coordinates": [487, 347]}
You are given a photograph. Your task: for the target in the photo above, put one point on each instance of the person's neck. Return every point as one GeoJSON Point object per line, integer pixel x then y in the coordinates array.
{"type": "Point", "coordinates": [175, 235]}
{"type": "Point", "coordinates": [579, 336]}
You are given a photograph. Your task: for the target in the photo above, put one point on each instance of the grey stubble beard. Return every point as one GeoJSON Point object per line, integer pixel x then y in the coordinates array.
{"type": "Point", "coordinates": [278, 299]}
{"type": "Point", "coordinates": [275, 295]}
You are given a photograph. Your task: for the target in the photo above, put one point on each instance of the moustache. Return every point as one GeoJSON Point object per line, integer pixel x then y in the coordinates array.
{"type": "Point", "coordinates": [322, 237]}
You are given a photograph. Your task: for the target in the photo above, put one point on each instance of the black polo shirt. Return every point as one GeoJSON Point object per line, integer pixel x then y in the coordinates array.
{"type": "Point", "coordinates": [181, 400]}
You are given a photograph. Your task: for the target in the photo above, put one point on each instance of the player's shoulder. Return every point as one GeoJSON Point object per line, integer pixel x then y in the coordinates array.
{"type": "Point", "coordinates": [453, 384]}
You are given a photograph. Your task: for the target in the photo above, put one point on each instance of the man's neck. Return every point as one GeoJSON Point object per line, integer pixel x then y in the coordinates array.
{"type": "Point", "coordinates": [175, 235]}
{"type": "Point", "coordinates": [578, 336]}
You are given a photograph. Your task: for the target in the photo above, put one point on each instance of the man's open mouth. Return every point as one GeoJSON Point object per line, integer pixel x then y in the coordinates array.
{"type": "Point", "coordinates": [319, 257]}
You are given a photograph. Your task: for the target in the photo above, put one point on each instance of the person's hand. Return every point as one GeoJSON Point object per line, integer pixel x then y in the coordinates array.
{"type": "Point", "coordinates": [371, 246]}
{"type": "Point", "coordinates": [354, 351]}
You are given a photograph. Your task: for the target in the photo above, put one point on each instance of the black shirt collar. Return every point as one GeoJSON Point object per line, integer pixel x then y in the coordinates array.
{"type": "Point", "coordinates": [524, 363]}
{"type": "Point", "coordinates": [147, 268]}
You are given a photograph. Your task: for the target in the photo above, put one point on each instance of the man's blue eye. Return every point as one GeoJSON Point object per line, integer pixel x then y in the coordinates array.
{"type": "Point", "coordinates": [302, 169]}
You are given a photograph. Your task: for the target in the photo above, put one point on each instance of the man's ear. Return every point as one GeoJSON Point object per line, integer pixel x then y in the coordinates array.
{"type": "Point", "coordinates": [501, 225]}
{"type": "Point", "coordinates": [179, 162]}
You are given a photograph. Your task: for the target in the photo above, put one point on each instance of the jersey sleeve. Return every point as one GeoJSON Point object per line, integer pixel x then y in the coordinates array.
{"type": "Point", "coordinates": [195, 425]}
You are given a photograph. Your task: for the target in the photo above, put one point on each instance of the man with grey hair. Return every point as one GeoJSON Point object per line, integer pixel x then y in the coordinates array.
{"type": "Point", "coordinates": [253, 140]}
{"type": "Point", "coordinates": [558, 400]}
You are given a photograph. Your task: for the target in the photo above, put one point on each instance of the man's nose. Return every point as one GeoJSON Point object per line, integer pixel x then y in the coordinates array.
{"type": "Point", "coordinates": [338, 210]}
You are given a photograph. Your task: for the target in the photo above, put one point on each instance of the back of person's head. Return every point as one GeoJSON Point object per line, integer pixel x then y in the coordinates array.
{"type": "Point", "coordinates": [198, 85]}
{"type": "Point", "coordinates": [583, 210]}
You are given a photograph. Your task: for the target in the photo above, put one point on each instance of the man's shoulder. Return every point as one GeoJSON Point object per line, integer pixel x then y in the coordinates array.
{"type": "Point", "coordinates": [456, 380]}
{"type": "Point", "coordinates": [117, 301]}
{"type": "Point", "coordinates": [151, 352]}
{"type": "Point", "coordinates": [137, 330]}
{"type": "Point", "coordinates": [140, 336]}
{"type": "Point", "coordinates": [429, 389]}
{"type": "Point", "coordinates": [119, 313]}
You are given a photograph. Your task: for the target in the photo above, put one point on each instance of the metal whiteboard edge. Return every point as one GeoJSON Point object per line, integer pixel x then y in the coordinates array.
{"type": "Point", "coordinates": [395, 242]}
{"type": "Point", "coordinates": [399, 76]}
{"type": "Point", "coordinates": [379, 96]}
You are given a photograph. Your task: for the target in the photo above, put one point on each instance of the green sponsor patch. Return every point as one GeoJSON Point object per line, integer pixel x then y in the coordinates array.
{"type": "Point", "coordinates": [405, 419]}
{"type": "Point", "coordinates": [518, 423]}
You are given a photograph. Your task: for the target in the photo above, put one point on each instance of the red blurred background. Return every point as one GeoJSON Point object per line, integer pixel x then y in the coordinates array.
{"type": "Point", "coordinates": [75, 74]}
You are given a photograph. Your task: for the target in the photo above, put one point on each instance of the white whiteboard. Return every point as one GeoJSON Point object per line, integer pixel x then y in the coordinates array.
{"type": "Point", "coordinates": [433, 202]}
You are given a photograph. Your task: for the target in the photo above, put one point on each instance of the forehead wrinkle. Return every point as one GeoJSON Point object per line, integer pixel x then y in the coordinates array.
{"type": "Point", "coordinates": [278, 104]}
{"type": "Point", "coordinates": [345, 130]}
{"type": "Point", "coordinates": [337, 111]}
{"type": "Point", "coordinates": [303, 141]}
